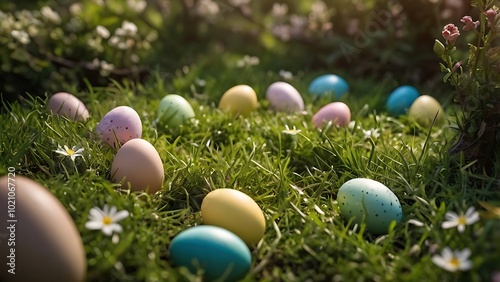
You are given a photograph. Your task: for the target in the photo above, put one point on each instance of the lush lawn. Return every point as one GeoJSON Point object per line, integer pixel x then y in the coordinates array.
{"type": "Point", "coordinates": [293, 178]}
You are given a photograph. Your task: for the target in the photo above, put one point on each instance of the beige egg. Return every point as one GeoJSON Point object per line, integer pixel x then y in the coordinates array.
{"type": "Point", "coordinates": [239, 100]}
{"type": "Point", "coordinates": [42, 243]}
{"type": "Point", "coordinates": [236, 212]}
{"type": "Point", "coordinates": [138, 164]}
{"type": "Point", "coordinates": [424, 109]}
{"type": "Point", "coordinates": [67, 105]}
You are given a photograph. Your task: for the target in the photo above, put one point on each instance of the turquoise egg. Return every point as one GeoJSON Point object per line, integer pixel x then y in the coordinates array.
{"type": "Point", "coordinates": [221, 254]}
{"type": "Point", "coordinates": [174, 110]}
{"type": "Point", "coordinates": [371, 202]}
{"type": "Point", "coordinates": [329, 84]}
{"type": "Point", "coordinates": [401, 99]}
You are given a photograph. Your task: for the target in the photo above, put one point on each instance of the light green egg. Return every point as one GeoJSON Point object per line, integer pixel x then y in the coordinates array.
{"type": "Point", "coordinates": [425, 109]}
{"type": "Point", "coordinates": [173, 111]}
{"type": "Point", "coordinates": [371, 202]}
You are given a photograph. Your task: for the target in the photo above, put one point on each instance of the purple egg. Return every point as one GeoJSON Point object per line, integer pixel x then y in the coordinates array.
{"type": "Point", "coordinates": [119, 125]}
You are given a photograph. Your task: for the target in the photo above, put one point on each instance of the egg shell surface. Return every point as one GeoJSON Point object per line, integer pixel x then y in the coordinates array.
{"type": "Point", "coordinates": [337, 112]}
{"type": "Point", "coordinates": [401, 99]}
{"type": "Point", "coordinates": [235, 211]}
{"type": "Point", "coordinates": [371, 202]}
{"type": "Point", "coordinates": [283, 97]}
{"type": "Point", "coordinates": [239, 100]}
{"type": "Point", "coordinates": [138, 164]}
{"type": "Point", "coordinates": [48, 246]}
{"type": "Point", "coordinates": [122, 122]}
{"type": "Point", "coordinates": [67, 105]}
{"type": "Point", "coordinates": [424, 110]}
{"type": "Point", "coordinates": [174, 110]}
{"type": "Point", "coordinates": [220, 253]}
{"type": "Point", "coordinates": [329, 84]}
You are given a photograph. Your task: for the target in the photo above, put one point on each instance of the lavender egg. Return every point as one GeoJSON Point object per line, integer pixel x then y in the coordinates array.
{"type": "Point", "coordinates": [283, 97]}
{"type": "Point", "coordinates": [119, 125]}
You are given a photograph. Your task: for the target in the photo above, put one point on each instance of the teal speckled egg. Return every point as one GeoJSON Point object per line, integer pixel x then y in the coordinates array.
{"type": "Point", "coordinates": [371, 202]}
{"type": "Point", "coordinates": [174, 110]}
{"type": "Point", "coordinates": [221, 254]}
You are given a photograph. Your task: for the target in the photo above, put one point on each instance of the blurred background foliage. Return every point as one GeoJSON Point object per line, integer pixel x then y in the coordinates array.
{"type": "Point", "coordinates": [53, 45]}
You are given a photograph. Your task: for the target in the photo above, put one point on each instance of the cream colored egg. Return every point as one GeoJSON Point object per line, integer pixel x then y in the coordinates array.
{"type": "Point", "coordinates": [138, 164]}
{"type": "Point", "coordinates": [236, 212]}
{"type": "Point", "coordinates": [239, 100]}
{"type": "Point", "coordinates": [42, 242]}
{"type": "Point", "coordinates": [424, 109]}
{"type": "Point", "coordinates": [67, 105]}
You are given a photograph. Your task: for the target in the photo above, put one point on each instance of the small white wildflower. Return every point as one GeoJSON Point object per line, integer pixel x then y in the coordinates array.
{"type": "Point", "coordinates": [372, 133]}
{"type": "Point", "coordinates": [21, 36]}
{"type": "Point", "coordinates": [102, 31]}
{"type": "Point", "coordinates": [248, 60]}
{"type": "Point", "coordinates": [286, 75]}
{"type": "Point", "coordinates": [75, 9]}
{"type": "Point", "coordinates": [416, 222]}
{"type": "Point", "coordinates": [289, 131]}
{"type": "Point", "coordinates": [279, 10]}
{"type": "Point", "coordinates": [453, 260]}
{"type": "Point", "coordinates": [207, 8]}
{"type": "Point", "coordinates": [73, 153]}
{"type": "Point", "coordinates": [50, 15]}
{"type": "Point", "coordinates": [106, 219]}
{"type": "Point", "coordinates": [137, 5]}
{"type": "Point", "coordinates": [127, 29]}
{"type": "Point", "coordinates": [459, 221]}
{"type": "Point", "coordinates": [106, 68]}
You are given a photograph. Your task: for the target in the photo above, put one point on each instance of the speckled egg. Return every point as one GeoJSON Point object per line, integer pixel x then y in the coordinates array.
{"type": "Point", "coordinates": [219, 253]}
{"type": "Point", "coordinates": [401, 99]}
{"type": "Point", "coordinates": [425, 109]}
{"type": "Point", "coordinates": [329, 84]}
{"type": "Point", "coordinates": [236, 212]}
{"type": "Point", "coordinates": [371, 202]}
{"type": "Point", "coordinates": [283, 97]}
{"type": "Point", "coordinates": [173, 111]}
{"type": "Point", "coordinates": [239, 100]}
{"type": "Point", "coordinates": [42, 242]}
{"type": "Point", "coordinates": [337, 112]}
{"type": "Point", "coordinates": [67, 105]}
{"type": "Point", "coordinates": [138, 165]}
{"type": "Point", "coordinates": [119, 125]}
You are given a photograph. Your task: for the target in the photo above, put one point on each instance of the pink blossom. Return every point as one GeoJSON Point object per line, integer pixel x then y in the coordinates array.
{"type": "Point", "coordinates": [469, 24]}
{"type": "Point", "coordinates": [491, 16]}
{"type": "Point", "coordinates": [456, 66]}
{"type": "Point", "coordinates": [450, 33]}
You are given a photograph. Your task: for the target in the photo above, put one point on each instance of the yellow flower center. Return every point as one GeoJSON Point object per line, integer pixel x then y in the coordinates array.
{"type": "Point", "coordinates": [462, 220]}
{"type": "Point", "coordinates": [107, 220]}
{"type": "Point", "coordinates": [70, 152]}
{"type": "Point", "coordinates": [455, 262]}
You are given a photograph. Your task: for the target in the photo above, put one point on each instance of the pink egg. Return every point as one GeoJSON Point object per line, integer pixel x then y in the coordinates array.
{"type": "Point", "coordinates": [283, 97]}
{"type": "Point", "coordinates": [337, 112]}
{"type": "Point", "coordinates": [120, 125]}
{"type": "Point", "coordinates": [67, 105]}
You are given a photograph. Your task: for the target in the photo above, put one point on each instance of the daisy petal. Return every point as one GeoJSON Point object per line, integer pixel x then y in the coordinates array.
{"type": "Point", "coordinates": [107, 229]}
{"type": "Point", "coordinates": [120, 215]}
{"type": "Point", "coordinates": [117, 228]}
{"type": "Point", "coordinates": [93, 225]}
{"type": "Point", "coordinates": [451, 216]}
{"type": "Point", "coordinates": [461, 228]}
{"type": "Point", "coordinates": [449, 224]}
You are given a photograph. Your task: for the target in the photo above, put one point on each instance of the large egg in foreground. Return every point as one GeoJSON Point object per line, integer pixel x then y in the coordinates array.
{"type": "Point", "coordinates": [43, 243]}
{"type": "Point", "coordinates": [138, 164]}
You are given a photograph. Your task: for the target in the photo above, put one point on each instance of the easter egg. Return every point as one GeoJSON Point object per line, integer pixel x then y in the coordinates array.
{"type": "Point", "coordinates": [424, 109]}
{"type": "Point", "coordinates": [236, 212]}
{"type": "Point", "coordinates": [401, 99]}
{"type": "Point", "coordinates": [239, 100]}
{"type": "Point", "coordinates": [371, 202]}
{"type": "Point", "coordinates": [119, 126]}
{"type": "Point", "coordinates": [337, 112]}
{"type": "Point", "coordinates": [283, 97]}
{"type": "Point", "coordinates": [329, 84]}
{"type": "Point", "coordinates": [221, 254]}
{"type": "Point", "coordinates": [138, 164]}
{"type": "Point", "coordinates": [42, 242]}
{"type": "Point", "coordinates": [67, 105]}
{"type": "Point", "coordinates": [174, 110]}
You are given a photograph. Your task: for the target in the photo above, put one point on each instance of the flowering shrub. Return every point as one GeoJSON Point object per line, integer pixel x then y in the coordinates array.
{"type": "Point", "coordinates": [476, 80]}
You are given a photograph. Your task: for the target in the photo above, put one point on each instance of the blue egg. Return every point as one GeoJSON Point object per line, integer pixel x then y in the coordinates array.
{"type": "Point", "coordinates": [218, 252]}
{"type": "Point", "coordinates": [401, 99]}
{"type": "Point", "coordinates": [329, 84]}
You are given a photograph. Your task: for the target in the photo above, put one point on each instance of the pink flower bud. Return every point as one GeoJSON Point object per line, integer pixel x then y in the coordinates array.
{"type": "Point", "coordinates": [469, 24]}
{"type": "Point", "coordinates": [456, 66]}
{"type": "Point", "coordinates": [491, 16]}
{"type": "Point", "coordinates": [450, 33]}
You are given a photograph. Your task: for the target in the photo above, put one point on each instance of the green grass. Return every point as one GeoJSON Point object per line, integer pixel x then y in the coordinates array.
{"type": "Point", "coordinates": [294, 181]}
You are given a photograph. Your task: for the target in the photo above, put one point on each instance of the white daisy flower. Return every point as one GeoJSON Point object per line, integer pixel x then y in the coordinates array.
{"type": "Point", "coordinates": [106, 219]}
{"type": "Point", "coordinates": [73, 153]}
{"type": "Point", "coordinates": [293, 131]}
{"type": "Point", "coordinates": [455, 220]}
{"type": "Point", "coordinates": [453, 260]}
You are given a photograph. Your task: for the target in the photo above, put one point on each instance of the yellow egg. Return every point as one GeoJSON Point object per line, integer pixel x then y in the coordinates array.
{"type": "Point", "coordinates": [236, 212]}
{"type": "Point", "coordinates": [424, 109]}
{"type": "Point", "coordinates": [42, 243]}
{"type": "Point", "coordinates": [239, 100]}
{"type": "Point", "coordinates": [138, 164]}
